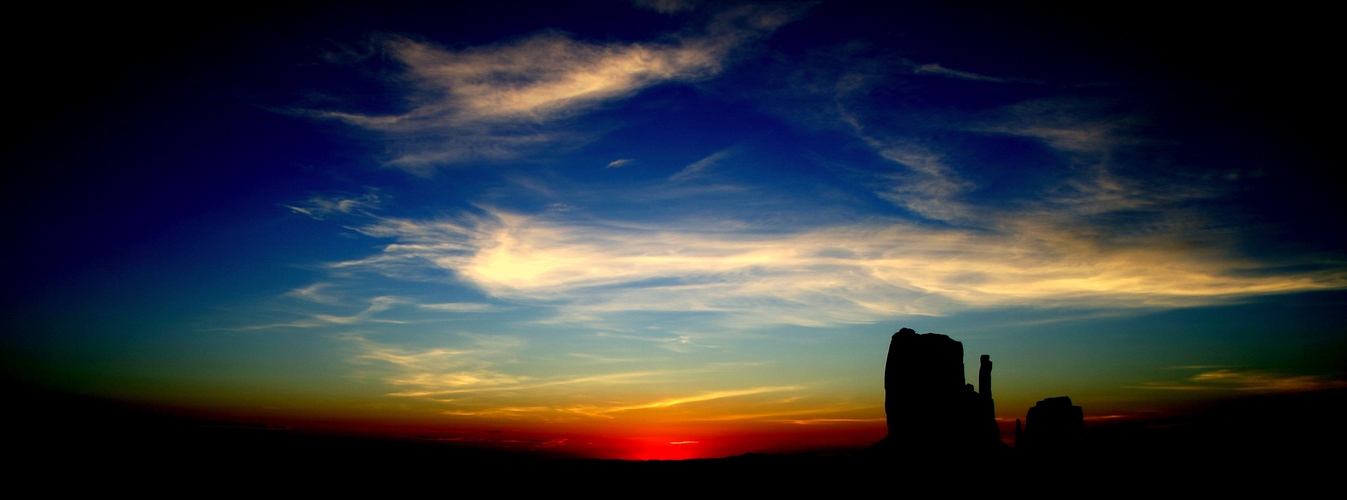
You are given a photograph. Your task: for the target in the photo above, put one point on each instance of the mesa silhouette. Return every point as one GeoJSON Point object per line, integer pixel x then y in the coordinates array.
{"type": "Point", "coordinates": [937, 421]}
{"type": "Point", "coordinates": [932, 413]}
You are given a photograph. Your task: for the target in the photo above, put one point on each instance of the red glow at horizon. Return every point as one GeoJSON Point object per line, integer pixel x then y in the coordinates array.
{"type": "Point", "coordinates": [731, 442]}
{"type": "Point", "coordinates": [663, 449]}
{"type": "Point", "coordinates": [640, 442]}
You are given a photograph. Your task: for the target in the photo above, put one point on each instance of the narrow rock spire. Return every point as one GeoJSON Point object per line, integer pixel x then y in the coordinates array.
{"type": "Point", "coordinates": [985, 377]}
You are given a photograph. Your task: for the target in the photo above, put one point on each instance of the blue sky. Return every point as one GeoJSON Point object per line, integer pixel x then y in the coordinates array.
{"type": "Point", "coordinates": [671, 215]}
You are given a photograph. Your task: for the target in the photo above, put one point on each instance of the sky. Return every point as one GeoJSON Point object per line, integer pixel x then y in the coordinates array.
{"type": "Point", "coordinates": [668, 228]}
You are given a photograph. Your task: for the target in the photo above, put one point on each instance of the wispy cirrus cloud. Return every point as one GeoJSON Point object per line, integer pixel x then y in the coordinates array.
{"type": "Point", "coordinates": [833, 421]}
{"type": "Point", "coordinates": [321, 207]}
{"type": "Point", "coordinates": [471, 365]}
{"type": "Point", "coordinates": [450, 384]}
{"type": "Point", "coordinates": [789, 413]}
{"type": "Point", "coordinates": [459, 307]}
{"type": "Point", "coordinates": [1093, 160]}
{"type": "Point", "coordinates": [1067, 124]}
{"type": "Point", "coordinates": [822, 276]}
{"type": "Point", "coordinates": [667, 6]}
{"type": "Point", "coordinates": [1230, 379]}
{"type": "Point", "coordinates": [337, 310]}
{"type": "Point", "coordinates": [1089, 192]}
{"type": "Point", "coordinates": [499, 101]}
{"type": "Point", "coordinates": [929, 188]}
{"type": "Point", "coordinates": [700, 167]}
{"type": "Point", "coordinates": [475, 379]}
{"type": "Point", "coordinates": [335, 304]}
{"type": "Point", "coordinates": [676, 343]}
{"type": "Point", "coordinates": [611, 410]}
{"type": "Point", "coordinates": [474, 370]}
{"type": "Point", "coordinates": [936, 69]}
{"type": "Point", "coordinates": [317, 292]}
{"type": "Point", "coordinates": [665, 403]}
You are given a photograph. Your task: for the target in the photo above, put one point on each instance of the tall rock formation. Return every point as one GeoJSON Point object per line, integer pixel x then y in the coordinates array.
{"type": "Point", "coordinates": [930, 408]}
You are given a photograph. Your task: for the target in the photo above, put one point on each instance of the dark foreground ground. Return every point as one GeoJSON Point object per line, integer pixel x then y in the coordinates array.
{"type": "Point", "coordinates": [1280, 444]}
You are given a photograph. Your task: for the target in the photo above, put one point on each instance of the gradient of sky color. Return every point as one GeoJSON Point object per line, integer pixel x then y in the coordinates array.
{"type": "Point", "coordinates": [687, 223]}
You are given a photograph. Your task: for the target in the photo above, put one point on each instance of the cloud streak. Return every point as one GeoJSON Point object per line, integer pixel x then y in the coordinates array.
{"type": "Point", "coordinates": [472, 381]}
{"type": "Point", "coordinates": [665, 403]}
{"type": "Point", "coordinates": [1227, 379]}
{"type": "Point", "coordinates": [936, 69]}
{"type": "Point", "coordinates": [498, 101]}
{"type": "Point", "coordinates": [818, 277]}
{"type": "Point", "coordinates": [700, 167]}
{"type": "Point", "coordinates": [929, 188]}
{"type": "Point", "coordinates": [320, 207]}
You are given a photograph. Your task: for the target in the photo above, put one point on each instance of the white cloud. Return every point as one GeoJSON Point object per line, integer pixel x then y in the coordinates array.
{"type": "Point", "coordinates": [699, 167]}
{"type": "Point", "coordinates": [373, 312]}
{"type": "Point", "coordinates": [315, 293]}
{"type": "Point", "coordinates": [538, 78]}
{"type": "Point", "coordinates": [1068, 125]}
{"type": "Point", "coordinates": [929, 188]}
{"type": "Point", "coordinates": [936, 69]}
{"type": "Point", "coordinates": [497, 101]}
{"type": "Point", "coordinates": [458, 307]}
{"type": "Point", "coordinates": [439, 371]}
{"type": "Point", "coordinates": [824, 276]}
{"type": "Point", "coordinates": [320, 207]}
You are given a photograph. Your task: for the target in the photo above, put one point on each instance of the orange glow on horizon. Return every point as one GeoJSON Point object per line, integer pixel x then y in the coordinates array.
{"type": "Point", "coordinates": [608, 440]}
